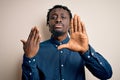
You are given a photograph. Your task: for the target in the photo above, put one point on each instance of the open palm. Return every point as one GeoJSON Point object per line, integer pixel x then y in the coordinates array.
{"type": "Point", "coordinates": [78, 37]}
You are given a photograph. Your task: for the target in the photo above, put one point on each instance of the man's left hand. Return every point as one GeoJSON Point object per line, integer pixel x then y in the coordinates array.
{"type": "Point", "coordinates": [78, 37]}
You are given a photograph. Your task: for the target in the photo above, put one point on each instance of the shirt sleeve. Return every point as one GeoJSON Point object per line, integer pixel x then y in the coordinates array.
{"type": "Point", "coordinates": [97, 64]}
{"type": "Point", "coordinates": [29, 69]}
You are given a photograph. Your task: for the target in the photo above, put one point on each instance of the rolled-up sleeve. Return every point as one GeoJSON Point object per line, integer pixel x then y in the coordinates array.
{"type": "Point", "coordinates": [29, 69]}
{"type": "Point", "coordinates": [97, 64]}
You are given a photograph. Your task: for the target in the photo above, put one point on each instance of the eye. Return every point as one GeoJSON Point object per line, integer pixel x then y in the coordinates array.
{"type": "Point", "coordinates": [53, 17]}
{"type": "Point", "coordinates": [63, 17]}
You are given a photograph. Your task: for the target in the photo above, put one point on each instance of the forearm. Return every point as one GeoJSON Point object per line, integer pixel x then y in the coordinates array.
{"type": "Point", "coordinates": [29, 69]}
{"type": "Point", "coordinates": [97, 64]}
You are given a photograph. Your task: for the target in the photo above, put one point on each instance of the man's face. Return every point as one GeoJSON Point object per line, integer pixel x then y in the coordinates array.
{"type": "Point", "coordinates": [59, 21]}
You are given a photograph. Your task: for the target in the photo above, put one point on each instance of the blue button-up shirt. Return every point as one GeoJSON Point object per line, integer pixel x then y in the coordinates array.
{"type": "Point", "coordinates": [53, 64]}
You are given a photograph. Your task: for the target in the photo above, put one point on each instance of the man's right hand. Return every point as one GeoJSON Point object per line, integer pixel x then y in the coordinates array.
{"type": "Point", "coordinates": [31, 46]}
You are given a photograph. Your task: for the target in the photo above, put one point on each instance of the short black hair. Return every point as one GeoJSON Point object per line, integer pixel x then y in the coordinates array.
{"type": "Point", "coordinates": [58, 6]}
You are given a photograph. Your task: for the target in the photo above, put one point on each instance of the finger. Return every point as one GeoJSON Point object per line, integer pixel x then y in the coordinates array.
{"type": "Point", "coordinates": [36, 34]}
{"type": "Point", "coordinates": [38, 40]}
{"type": "Point", "coordinates": [62, 46]}
{"type": "Point", "coordinates": [79, 24]}
{"type": "Point", "coordinates": [71, 24]}
{"type": "Point", "coordinates": [33, 34]}
{"type": "Point", "coordinates": [30, 35]}
{"type": "Point", "coordinates": [75, 23]}
{"type": "Point", "coordinates": [83, 27]}
{"type": "Point", "coordinates": [23, 41]}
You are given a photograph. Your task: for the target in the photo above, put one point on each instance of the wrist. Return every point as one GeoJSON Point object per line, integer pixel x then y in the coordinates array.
{"type": "Point", "coordinates": [84, 50]}
{"type": "Point", "coordinates": [30, 55]}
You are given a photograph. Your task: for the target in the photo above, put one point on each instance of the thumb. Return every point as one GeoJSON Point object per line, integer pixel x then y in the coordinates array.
{"type": "Point", "coordinates": [23, 41]}
{"type": "Point", "coordinates": [62, 46]}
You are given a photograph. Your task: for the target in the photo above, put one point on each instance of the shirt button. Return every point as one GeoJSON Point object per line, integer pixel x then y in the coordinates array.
{"type": "Point", "coordinates": [60, 43]}
{"type": "Point", "coordinates": [62, 65]}
{"type": "Point", "coordinates": [88, 57]}
{"type": "Point", "coordinates": [92, 54]}
{"type": "Point", "coordinates": [61, 51]}
{"type": "Point", "coordinates": [101, 63]}
{"type": "Point", "coordinates": [34, 60]}
{"type": "Point", "coordinates": [56, 45]}
{"type": "Point", "coordinates": [29, 61]}
{"type": "Point", "coordinates": [30, 73]}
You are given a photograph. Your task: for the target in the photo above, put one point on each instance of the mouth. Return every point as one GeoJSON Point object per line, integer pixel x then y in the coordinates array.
{"type": "Point", "coordinates": [58, 25]}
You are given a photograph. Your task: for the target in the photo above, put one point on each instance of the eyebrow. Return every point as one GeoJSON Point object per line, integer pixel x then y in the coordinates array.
{"type": "Point", "coordinates": [56, 14]}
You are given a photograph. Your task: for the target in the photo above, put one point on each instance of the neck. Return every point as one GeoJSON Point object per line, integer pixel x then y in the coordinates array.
{"type": "Point", "coordinates": [60, 38]}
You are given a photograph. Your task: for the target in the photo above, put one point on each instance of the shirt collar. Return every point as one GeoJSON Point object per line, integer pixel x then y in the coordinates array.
{"type": "Point", "coordinates": [54, 41]}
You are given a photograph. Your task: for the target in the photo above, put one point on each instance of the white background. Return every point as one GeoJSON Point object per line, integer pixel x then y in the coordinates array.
{"type": "Point", "coordinates": [17, 17]}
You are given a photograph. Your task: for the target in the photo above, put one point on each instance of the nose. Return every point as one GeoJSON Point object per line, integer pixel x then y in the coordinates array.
{"type": "Point", "coordinates": [58, 20]}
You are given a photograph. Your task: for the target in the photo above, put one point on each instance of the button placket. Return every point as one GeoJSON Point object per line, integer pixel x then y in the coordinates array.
{"type": "Point", "coordinates": [62, 55]}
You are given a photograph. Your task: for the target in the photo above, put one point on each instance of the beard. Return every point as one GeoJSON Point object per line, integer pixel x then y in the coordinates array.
{"type": "Point", "coordinates": [56, 30]}
{"type": "Point", "coordinates": [57, 33]}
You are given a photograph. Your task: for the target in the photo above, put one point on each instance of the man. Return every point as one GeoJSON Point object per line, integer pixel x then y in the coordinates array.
{"type": "Point", "coordinates": [62, 57]}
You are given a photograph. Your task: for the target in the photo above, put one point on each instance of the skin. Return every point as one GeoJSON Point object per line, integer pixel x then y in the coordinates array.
{"type": "Point", "coordinates": [79, 39]}
{"type": "Point", "coordinates": [59, 22]}
{"type": "Point", "coordinates": [31, 46]}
